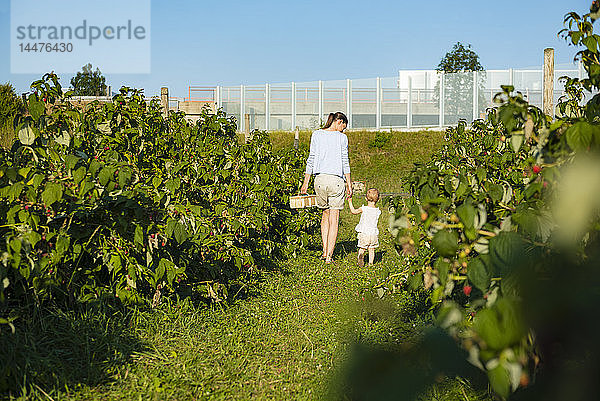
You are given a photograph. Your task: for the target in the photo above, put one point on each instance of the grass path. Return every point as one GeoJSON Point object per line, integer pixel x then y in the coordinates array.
{"type": "Point", "coordinates": [285, 343]}
{"type": "Point", "coordinates": [288, 341]}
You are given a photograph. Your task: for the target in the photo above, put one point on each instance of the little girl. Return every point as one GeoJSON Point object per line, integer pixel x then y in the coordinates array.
{"type": "Point", "coordinates": [367, 226]}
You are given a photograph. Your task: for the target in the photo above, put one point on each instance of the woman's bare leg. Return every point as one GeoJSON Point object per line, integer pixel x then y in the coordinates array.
{"type": "Point", "coordinates": [334, 218]}
{"type": "Point", "coordinates": [325, 230]}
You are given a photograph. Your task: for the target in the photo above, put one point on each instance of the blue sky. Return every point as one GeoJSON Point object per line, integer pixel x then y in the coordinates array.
{"type": "Point", "coordinates": [253, 42]}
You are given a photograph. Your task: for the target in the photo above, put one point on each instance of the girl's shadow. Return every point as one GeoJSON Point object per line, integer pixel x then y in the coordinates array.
{"type": "Point", "coordinates": [343, 248]}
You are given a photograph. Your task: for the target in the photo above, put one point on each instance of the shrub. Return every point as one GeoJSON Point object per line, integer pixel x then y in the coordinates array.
{"type": "Point", "coordinates": [10, 106]}
{"type": "Point", "coordinates": [503, 230]}
{"type": "Point", "coordinates": [118, 202]}
{"type": "Point", "coordinates": [381, 139]}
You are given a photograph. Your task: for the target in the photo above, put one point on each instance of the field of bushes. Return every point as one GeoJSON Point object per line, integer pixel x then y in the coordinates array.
{"type": "Point", "coordinates": [145, 257]}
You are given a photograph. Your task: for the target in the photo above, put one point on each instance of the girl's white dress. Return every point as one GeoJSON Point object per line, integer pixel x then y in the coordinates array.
{"type": "Point", "coordinates": [367, 227]}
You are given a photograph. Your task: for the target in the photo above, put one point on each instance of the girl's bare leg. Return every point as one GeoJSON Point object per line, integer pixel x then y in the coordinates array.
{"type": "Point", "coordinates": [371, 256]}
{"type": "Point", "coordinates": [361, 257]}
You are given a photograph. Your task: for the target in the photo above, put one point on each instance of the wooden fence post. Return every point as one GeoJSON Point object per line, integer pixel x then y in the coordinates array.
{"type": "Point", "coordinates": [164, 100]}
{"type": "Point", "coordinates": [548, 84]}
{"type": "Point", "coordinates": [246, 127]}
{"type": "Point", "coordinates": [296, 137]}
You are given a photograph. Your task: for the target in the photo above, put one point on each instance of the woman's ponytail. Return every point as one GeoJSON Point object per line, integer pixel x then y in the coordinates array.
{"type": "Point", "coordinates": [330, 120]}
{"type": "Point", "coordinates": [335, 116]}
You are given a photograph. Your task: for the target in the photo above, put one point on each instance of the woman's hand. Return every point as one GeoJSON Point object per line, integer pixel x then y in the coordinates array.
{"type": "Point", "coordinates": [349, 191]}
{"type": "Point", "coordinates": [304, 189]}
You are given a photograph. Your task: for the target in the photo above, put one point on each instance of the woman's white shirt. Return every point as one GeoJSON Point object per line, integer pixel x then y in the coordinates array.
{"type": "Point", "coordinates": [328, 153]}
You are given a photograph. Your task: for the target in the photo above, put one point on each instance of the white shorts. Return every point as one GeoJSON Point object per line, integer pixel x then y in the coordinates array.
{"type": "Point", "coordinates": [330, 191]}
{"type": "Point", "coordinates": [366, 241]}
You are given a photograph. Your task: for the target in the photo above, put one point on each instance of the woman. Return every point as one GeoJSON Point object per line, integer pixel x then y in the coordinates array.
{"type": "Point", "coordinates": [328, 160]}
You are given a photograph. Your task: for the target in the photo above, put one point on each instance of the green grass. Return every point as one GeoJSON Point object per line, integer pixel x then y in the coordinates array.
{"type": "Point", "coordinates": [291, 339]}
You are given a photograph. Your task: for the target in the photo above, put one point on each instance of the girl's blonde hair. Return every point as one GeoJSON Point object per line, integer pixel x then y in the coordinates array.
{"type": "Point", "coordinates": [372, 195]}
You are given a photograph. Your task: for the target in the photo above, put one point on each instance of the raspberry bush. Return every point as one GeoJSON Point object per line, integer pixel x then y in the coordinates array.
{"type": "Point", "coordinates": [117, 202]}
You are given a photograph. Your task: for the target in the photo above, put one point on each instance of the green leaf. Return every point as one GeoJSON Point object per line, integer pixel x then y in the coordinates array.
{"type": "Point", "coordinates": [591, 43]}
{"type": "Point", "coordinates": [26, 135]}
{"type": "Point", "coordinates": [63, 139]}
{"type": "Point", "coordinates": [415, 282]}
{"type": "Point", "coordinates": [506, 115]}
{"type": "Point", "coordinates": [466, 213]}
{"type": "Point", "coordinates": [15, 245]}
{"type": "Point", "coordinates": [164, 266]}
{"type": "Point", "coordinates": [180, 233]}
{"type": "Point", "coordinates": [516, 141]}
{"type": "Point", "coordinates": [580, 135]}
{"type": "Point", "coordinates": [506, 251]}
{"type": "Point", "coordinates": [445, 243]}
{"type": "Point", "coordinates": [510, 285]}
{"type": "Point", "coordinates": [139, 236]}
{"type": "Point", "coordinates": [575, 36]}
{"type": "Point", "coordinates": [478, 274]}
{"type": "Point", "coordinates": [115, 263]}
{"type": "Point", "coordinates": [500, 380]}
{"type": "Point", "coordinates": [124, 176]}
{"type": "Point", "coordinates": [94, 166]}
{"type": "Point", "coordinates": [71, 161]}
{"type": "Point", "coordinates": [461, 190]}
{"type": "Point", "coordinates": [79, 174]}
{"type": "Point", "coordinates": [176, 230]}
{"type": "Point", "coordinates": [62, 244]}
{"type": "Point", "coordinates": [496, 191]}
{"type": "Point", "coordinates": [481, 174]}
{"type": "Point", "coordinates": [15, 190]}
{"type": "Point", "coordinates": [442, 267]}
{"type": "Point", "coordinates": [36, 108]}
{"type": "Point", "coordinates": [37, 180]}
{"type": "Point", "coordinates": [52, 193]}
{"type": "Point", "coordinates": [501, 325]}
{"type": "Point", "coordinates": [173, 185]}
{"type": "Point", "coordinates": [105, 175]}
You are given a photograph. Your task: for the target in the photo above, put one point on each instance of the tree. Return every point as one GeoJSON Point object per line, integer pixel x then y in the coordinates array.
{"type": "Point", "coordinates": [460, 59]}
{"type": "Point", "coordinates": [10, 106]}
{"type": "Point", "coordinates": [458, 65]}
{"type": "Point", "coordinates": [88, 82]}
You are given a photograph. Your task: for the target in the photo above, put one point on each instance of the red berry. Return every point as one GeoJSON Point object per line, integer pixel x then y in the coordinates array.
{"type": "Point", "coordinates": [537, 169]}
{"type": "Point", "coordinates": [467, 290]}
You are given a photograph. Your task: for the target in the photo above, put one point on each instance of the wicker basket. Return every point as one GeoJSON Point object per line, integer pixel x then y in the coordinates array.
{"type": "Point", "coordinates": [302, 201]}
